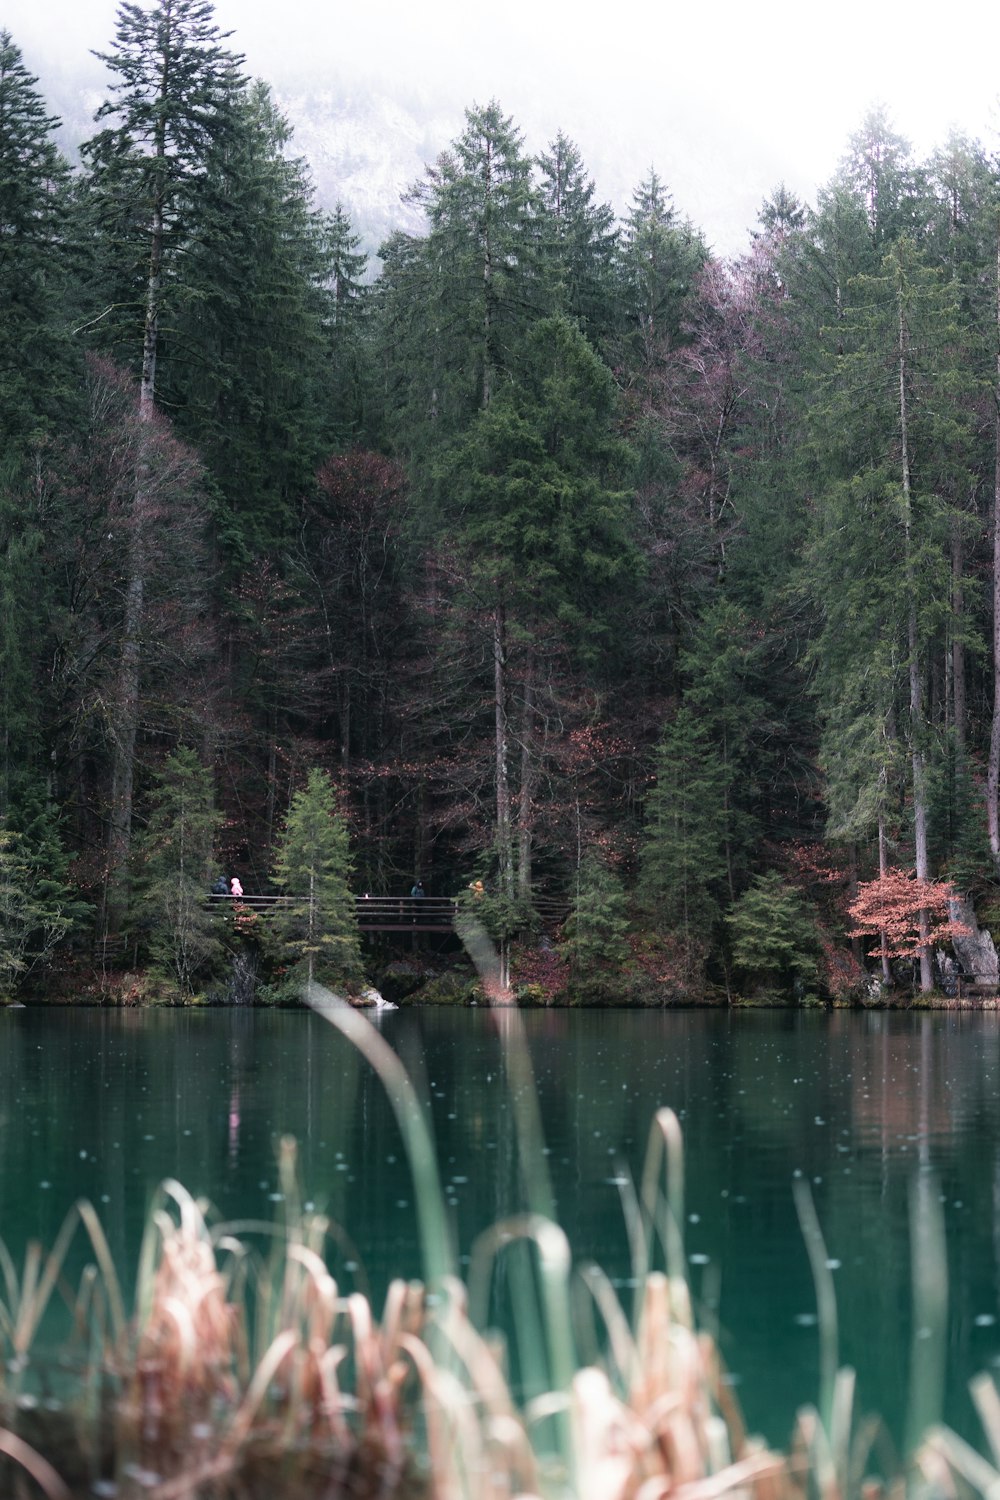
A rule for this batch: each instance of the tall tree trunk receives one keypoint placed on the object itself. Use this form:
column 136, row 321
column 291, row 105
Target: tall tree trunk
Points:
column 130, row 663
column 526, row 791
column 917, row 758
column 502, row 772
column 958, row 685
column 503, row 831
column 993, row 764
column 883, row 870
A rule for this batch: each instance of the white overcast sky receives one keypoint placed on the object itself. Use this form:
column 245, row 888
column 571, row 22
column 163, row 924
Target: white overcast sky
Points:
column 726, row 99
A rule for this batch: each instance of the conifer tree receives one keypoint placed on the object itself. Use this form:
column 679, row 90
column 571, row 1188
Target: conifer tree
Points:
column 248, row 367
column 775, row 941
column 537, row 490
column 39, row 909
column 896, row 427
column 34, row 381
column 593, row 943
column 458, row 302
column 354, row 409
column 318, row 928
column 176, row 863
column 171, row 98
column 660, row 256
column 577, row 240
column 683, row 856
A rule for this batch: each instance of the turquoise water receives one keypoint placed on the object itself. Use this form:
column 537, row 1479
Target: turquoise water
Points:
column 862, row 1106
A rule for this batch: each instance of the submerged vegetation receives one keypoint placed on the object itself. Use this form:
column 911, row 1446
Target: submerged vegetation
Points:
column 651, row 589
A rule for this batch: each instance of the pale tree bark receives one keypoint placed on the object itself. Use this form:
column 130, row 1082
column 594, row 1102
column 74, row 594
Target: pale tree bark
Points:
column 503, row 800
column 883, row 870
column 993, row 764
column 130, row 666
column 917, row 757
column 958, row 684
column 526, row 790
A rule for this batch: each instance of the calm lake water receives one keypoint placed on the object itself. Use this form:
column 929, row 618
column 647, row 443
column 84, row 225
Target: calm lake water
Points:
column 863, row 1106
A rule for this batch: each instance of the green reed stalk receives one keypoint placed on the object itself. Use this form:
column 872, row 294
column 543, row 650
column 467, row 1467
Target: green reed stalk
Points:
column 929, row 1259
column 432, row 1218
column 826, row 1297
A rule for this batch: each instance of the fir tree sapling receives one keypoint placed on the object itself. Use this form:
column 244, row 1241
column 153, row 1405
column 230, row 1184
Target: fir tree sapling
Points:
column 175, row 869
column 318, row 928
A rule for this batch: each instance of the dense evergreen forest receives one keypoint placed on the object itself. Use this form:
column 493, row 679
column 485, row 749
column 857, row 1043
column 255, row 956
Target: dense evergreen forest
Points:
column 558, row 553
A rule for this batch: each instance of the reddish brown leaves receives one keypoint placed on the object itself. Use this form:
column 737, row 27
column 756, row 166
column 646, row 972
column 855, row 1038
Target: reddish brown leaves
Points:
column 889, row 908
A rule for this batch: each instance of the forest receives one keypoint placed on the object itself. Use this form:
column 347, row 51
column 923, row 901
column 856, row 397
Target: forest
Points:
column 552, row 551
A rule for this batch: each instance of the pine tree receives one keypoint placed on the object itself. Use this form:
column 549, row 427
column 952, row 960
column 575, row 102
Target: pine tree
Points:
column 536, row 488
column 355, row 412
column 877, row 169
column 683, row 856
column 594, row 944
column 171, row 100
column 660, row 256
column 896, row 425
column 457, row 303
column 248, row 367
column 318, row 928
column 175, row 859
column 39, row 910
column 775, row 941
column 34, row 364
column 577, row 240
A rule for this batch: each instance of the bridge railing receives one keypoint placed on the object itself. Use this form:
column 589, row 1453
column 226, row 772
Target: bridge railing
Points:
column 434, row 913
column 386, row 913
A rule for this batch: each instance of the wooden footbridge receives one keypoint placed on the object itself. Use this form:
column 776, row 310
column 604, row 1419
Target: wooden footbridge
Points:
column 373, row 913
column 385, row 913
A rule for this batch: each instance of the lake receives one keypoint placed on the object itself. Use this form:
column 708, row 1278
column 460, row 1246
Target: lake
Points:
column 862, row 1105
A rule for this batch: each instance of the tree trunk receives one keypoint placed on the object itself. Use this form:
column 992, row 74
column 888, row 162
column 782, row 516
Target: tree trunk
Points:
column 504, row 853
column 505, row 872
column 958, row 687
column 993, row 764
column 883, row 870
column 918, row 763
column 128, row 685
column 526, row 792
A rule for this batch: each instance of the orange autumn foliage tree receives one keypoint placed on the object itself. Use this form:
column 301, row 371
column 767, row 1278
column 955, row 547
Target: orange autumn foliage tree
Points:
column 889, row 908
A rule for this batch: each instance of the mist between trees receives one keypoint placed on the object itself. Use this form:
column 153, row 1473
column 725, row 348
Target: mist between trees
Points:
column 558, row 554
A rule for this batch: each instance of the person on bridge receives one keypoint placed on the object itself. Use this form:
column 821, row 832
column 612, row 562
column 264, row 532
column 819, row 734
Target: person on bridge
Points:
column 221, row 887
column 235, row 888
column 417, row 889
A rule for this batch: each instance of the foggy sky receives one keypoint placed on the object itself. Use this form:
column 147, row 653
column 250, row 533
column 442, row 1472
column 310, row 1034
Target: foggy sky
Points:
column 725, row 100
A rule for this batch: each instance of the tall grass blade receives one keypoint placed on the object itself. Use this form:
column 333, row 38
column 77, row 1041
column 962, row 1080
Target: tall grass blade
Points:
column 930, row 1308
column 987, row 1404
column 435, row 1235
column 34, row 1464
column 826, row 1297
column 112, row 1286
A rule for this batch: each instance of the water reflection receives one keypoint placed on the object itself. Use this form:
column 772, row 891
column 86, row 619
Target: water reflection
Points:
column 858, row 1105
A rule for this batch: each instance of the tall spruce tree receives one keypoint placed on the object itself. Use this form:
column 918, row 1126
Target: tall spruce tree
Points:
column 577, row 240
column 171, row 97
column 540, row 507
column 176, row 862
column 683, row 855
column 34, row 380
column 318, row 928
column 248, row 367
column 660, row 256
column 894, row 425
column 466, row 293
